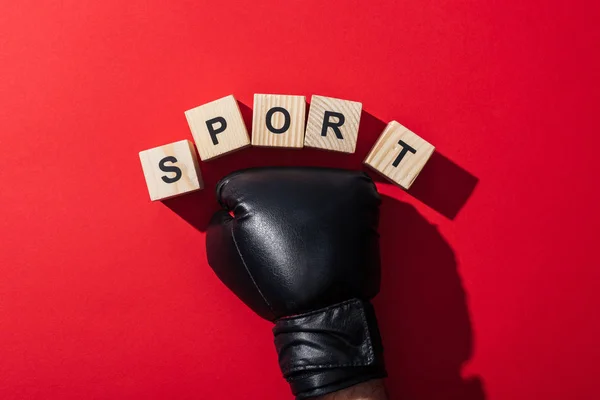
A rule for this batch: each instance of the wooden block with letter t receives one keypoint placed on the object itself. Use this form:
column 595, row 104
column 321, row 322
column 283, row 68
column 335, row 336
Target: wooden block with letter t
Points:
column 399, row 154
column 171, row 170
column 218, row 128
column 278, row 120
column 333, row 124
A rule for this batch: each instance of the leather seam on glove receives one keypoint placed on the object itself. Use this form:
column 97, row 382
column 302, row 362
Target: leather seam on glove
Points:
column 318, row 311
column 248, row 271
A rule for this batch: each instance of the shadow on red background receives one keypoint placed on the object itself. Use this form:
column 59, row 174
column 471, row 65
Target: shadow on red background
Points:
column 422, row 308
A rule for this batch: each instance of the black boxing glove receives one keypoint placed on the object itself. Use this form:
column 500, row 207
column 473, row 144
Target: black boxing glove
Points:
column 302, row 250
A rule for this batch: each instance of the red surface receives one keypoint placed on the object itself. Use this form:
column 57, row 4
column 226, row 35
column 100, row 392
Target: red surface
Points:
column 105, row 295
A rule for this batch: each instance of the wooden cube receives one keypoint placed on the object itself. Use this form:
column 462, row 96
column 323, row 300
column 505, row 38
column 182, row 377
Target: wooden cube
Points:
column 171, row 170
column 278, row 120
column 218, row 128
column 399, row 155
column 333, row 124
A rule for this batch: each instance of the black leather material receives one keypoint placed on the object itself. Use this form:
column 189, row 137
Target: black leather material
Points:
column 302, row 249
column 329, row 349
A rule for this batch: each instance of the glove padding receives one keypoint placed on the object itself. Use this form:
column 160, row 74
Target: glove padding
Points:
column 302, row 250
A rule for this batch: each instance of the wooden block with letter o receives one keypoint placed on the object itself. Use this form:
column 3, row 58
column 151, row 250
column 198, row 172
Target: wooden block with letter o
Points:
column 171, row 170
column 278, row 120
column 218, row 128
column 333, row 124
column 399, row 154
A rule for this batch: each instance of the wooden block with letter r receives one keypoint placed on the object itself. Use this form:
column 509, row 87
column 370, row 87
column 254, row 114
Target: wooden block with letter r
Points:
column 171, row 170
column 278, row 120
column 399, row 155
column 218, row 128
column 333, row 124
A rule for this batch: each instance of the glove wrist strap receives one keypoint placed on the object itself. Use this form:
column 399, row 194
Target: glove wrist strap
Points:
column 329, row 349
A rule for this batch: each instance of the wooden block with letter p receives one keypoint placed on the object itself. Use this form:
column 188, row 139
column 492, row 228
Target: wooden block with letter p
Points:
column 218, row 128
column 399, row 155
column 171, row 170
column 278, row 120
column 333, row 124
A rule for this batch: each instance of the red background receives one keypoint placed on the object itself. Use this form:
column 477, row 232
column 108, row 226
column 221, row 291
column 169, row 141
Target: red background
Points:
column 105, row 295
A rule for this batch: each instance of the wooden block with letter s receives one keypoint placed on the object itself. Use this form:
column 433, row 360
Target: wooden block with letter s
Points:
column 333, row 124
column 171, row 170
column 278, row 120
column 399, row 155
column 218, row 128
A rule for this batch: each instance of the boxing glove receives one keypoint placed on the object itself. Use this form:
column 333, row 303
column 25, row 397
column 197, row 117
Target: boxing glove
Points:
column 300, row 247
